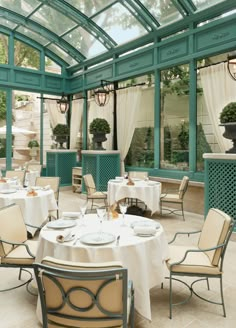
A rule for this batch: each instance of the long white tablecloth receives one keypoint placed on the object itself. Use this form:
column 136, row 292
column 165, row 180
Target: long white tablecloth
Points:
column 143, row 256
column 34, row 208
column 147, row 191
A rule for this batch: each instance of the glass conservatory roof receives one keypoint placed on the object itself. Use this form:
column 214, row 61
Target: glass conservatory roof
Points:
column 80, row 30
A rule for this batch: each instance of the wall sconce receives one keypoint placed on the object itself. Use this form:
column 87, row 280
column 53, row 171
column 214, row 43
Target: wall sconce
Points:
column 231, row 64
column 63, row 104
column 102, row 95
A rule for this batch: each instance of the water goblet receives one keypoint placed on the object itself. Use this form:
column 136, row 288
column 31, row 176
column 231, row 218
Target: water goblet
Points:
column 83, row 208
column 123, row 210
column 101, row 211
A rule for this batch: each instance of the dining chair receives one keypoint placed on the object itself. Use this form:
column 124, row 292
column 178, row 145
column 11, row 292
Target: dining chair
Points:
column 205, row 260
column 92, row 193
column 16, row 251
column 54, row 183
column 34, row 167
column 138, row 174
column 19, row 175
column 74, row 294
column 175, row 197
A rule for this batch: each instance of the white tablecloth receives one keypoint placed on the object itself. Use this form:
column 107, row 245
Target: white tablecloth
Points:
column 34, row 209
column 143, row 256
column 147, row 191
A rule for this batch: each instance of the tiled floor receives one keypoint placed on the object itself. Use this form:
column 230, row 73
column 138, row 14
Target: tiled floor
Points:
column 18, row 306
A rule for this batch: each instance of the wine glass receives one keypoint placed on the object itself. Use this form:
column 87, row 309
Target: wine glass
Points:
column 101, row 211
column 123, row 210
column 83, row 208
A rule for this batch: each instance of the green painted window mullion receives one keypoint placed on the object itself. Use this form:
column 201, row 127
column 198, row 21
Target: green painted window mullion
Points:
column 157, row 111
column 41, row 128
column 9, row 128
column 85, row 120
column 192, row 116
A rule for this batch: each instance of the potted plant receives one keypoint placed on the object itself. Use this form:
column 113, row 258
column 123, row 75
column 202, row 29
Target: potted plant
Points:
column 228, row 120
column 61, row 133
column 99, row 127
column 34, row 146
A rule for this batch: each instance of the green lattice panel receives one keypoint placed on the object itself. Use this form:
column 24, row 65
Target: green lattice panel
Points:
column 103, row 167
column 61, row 164
column 221, row 186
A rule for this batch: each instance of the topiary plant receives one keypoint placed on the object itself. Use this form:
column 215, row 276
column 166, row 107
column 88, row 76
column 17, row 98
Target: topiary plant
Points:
column 33, row 143
column 228, row 114
column 99, row 125
column 61, row 130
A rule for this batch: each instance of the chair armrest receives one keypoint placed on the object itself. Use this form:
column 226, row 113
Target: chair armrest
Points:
column 196, row 251
column 18, row 244
column 183, row 233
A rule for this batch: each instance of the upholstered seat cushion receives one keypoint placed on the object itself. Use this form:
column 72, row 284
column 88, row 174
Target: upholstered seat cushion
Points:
column 19, row 255
column 195, row 262
column 171, row 198
column 98, row 194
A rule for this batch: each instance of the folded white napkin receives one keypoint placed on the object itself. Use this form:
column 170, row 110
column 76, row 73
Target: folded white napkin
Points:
column 71, row 214
column 47, row 187
column 64, row 236
column 138, row 230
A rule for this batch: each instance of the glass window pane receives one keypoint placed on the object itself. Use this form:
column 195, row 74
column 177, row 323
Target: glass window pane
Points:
column 120, row 24
column 23, row 7
column 7, row 23
column 202, row 4
column 62, row 54
column 174, row 132
column 3, row 49
column 26, row 115
column 26, row 56
column 35, row 36
column 89, row 7
column 85, row 42
column 164, row 11
column 51, row 66
column 53, row 20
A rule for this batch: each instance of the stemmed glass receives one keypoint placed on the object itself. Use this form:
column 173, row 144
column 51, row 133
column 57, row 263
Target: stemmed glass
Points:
column 83, row 208
column 101, row 211
column 123, row 210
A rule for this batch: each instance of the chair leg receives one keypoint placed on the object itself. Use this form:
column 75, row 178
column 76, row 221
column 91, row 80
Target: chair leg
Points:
column 170, row 296
column 222, row 296
column 182, row 208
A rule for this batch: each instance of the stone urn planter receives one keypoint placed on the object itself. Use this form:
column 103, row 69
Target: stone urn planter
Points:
column 228, row 120
column 61, row 133
column 34, row 147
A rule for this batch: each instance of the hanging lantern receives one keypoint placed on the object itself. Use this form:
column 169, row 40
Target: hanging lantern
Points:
column 231, row 64
column 63, row 104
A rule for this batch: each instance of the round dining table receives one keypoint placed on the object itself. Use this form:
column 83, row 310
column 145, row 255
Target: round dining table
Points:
column 35, row 209
column 148, row 192
column 144, row 256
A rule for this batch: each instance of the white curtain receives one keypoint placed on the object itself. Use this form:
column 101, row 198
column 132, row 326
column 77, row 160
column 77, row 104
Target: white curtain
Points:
column 105, row 112
column 75, row 122
column 128, row 103
column 54, row 116
column 219, row 89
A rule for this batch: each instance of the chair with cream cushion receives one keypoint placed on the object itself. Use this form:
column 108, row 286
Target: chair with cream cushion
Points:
column 15, row 250
column 92, row 193
column 34, row 167
column 54, row 183
column 176, row 198
column 19, row 175
column 138, row 175
column 204, row 260
column 74, row 294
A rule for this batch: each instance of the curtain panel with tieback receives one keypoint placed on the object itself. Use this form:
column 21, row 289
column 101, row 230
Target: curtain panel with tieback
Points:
column 76, row 121
column 219, row 90
column 128, row 102
column 54, row 116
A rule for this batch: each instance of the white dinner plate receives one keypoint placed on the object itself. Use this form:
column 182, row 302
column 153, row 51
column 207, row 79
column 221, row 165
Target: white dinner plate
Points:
column 8, row 191
column 97, row 238
column 61, row 224
column 145, row 223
